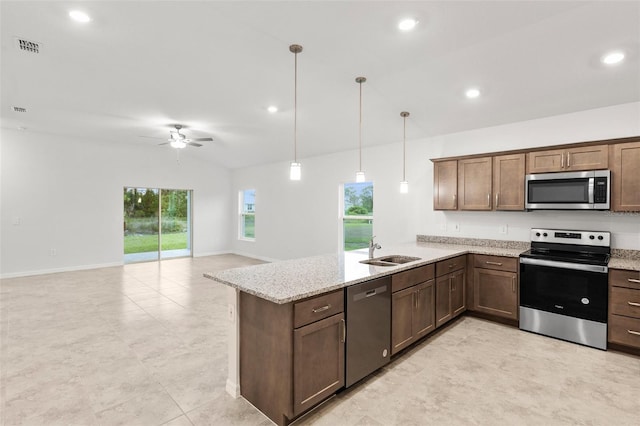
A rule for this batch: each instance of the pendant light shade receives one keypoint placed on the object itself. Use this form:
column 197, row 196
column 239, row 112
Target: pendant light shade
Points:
column 295, row 171
column 404, row 185
column 360, row 173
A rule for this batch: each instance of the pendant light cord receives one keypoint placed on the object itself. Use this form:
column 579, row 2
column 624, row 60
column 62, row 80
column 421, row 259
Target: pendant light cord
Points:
column 404, row 148
column 295, row 108
column 360, row 132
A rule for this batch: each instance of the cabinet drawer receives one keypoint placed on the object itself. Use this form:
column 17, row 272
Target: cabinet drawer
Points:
column 624, row 278
column 414, row 276
column 499, row 263
column 624, row 331
column 445, row 266
column 317, row 308
column 625, row 301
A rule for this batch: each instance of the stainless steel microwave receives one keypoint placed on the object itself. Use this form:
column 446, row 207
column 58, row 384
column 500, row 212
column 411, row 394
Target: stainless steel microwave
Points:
column 589, row 190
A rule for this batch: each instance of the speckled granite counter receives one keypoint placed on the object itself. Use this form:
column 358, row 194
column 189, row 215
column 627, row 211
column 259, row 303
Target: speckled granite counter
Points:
column 290, row 280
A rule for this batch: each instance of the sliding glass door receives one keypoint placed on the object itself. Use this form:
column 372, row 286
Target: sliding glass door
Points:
column 157, row 224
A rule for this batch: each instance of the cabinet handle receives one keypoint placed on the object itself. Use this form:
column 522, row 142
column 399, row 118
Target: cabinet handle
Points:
column 417, row 294
column 632, row 280
column 637, row 333
column 562, row 161
column 324, row 308
column 452, row 265
column 568, row 160
column 497, row 198
column 488, row 198
column 633, row 304
column 493, row 263
column 513, row 284
column 344, row 331
column 455, row 201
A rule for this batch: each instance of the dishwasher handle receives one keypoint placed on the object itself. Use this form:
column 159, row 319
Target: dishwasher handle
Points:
column 369, row 293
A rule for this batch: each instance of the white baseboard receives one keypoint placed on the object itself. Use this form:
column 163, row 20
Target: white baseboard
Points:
column 57, row 270
column 233, row 389
column 253, row 256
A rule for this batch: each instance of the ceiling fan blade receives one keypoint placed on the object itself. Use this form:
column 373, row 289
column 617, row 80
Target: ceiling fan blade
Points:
column 194, row 144
column 201, row 139
column 164, row 143
column 150, row 137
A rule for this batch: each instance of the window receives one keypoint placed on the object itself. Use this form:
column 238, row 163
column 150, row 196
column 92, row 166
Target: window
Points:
column 247, row 220
column 357, row 215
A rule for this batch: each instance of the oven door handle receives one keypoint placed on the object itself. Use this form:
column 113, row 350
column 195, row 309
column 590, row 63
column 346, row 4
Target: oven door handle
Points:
column 565, row 265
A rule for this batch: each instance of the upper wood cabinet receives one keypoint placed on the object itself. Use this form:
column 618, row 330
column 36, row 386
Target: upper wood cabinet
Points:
column 625, row 177
column 474, row 183
column 591, row 157
column 445, row 185
column 508, row 182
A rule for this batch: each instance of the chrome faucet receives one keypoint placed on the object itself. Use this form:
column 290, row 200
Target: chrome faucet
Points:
column 372, row 247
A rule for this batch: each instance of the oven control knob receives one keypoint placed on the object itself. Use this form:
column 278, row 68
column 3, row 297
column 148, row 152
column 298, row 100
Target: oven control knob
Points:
column 591, row 237
column 537, row 234
column 600, row 237
column 544, row 235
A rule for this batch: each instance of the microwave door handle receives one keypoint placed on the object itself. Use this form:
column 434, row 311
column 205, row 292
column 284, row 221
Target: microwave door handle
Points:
column 591, row 189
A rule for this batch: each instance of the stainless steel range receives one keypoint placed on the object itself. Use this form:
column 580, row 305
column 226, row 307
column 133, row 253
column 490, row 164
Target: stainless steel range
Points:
column 564, row 285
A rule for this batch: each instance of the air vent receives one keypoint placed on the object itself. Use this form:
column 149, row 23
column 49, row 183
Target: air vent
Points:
column 28, row 46
column 18, row 109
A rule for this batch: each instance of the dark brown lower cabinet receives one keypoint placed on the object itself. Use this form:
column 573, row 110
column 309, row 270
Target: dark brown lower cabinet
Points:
column 291, row 355
column 495, row 292
column 318, row 366
column 412, row 314
column 450, row 296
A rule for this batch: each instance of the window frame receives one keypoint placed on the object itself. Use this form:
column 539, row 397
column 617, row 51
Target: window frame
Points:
column 342, row 216
column 242, row 214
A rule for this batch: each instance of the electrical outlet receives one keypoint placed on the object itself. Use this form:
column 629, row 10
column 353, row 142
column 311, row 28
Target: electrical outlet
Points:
column 455, row 227
column 503, row 229
column 53, row 252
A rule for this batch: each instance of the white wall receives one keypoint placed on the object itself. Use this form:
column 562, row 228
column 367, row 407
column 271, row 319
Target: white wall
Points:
column 67, row 195
column 295, row 219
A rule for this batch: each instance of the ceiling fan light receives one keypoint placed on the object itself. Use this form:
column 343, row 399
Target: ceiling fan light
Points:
column 177, row 144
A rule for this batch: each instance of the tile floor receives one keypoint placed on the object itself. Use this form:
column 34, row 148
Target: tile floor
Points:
column 145, row 344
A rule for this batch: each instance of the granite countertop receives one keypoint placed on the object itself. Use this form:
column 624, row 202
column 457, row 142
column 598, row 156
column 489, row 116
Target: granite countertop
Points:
column 290, row 280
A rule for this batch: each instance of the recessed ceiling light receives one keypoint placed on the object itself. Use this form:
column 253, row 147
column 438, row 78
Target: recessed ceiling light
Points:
column 272, row 109
column 407, row 24
column 472, row 93
column 79, row 16
column 613, row 58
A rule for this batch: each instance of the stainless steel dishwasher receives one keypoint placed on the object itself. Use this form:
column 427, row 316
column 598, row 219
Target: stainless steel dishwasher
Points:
column 368, row 315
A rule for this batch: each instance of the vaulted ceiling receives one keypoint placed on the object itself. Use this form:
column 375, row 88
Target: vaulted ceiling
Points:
column 215, row 66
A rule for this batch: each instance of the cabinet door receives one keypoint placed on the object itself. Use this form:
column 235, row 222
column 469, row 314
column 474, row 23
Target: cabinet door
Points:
column 495, row 292
column 318, row 361
column 402, row 305
column 587, row 158
column 625, row 177
column 474, row 183
column 424, row 320
column 508, row 182
column 443, row 299
column 458, row 304
column 445, row 185
column 545, row 161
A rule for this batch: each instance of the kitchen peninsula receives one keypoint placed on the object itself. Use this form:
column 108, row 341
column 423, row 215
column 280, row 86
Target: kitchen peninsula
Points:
column 269, row 306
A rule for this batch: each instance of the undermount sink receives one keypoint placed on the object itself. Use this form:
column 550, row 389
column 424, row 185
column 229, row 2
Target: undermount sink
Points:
column 392, row 260
column 398, row 259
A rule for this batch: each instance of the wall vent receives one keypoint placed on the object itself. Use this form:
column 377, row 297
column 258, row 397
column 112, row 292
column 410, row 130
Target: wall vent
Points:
column 28, row 46
column 18, row 109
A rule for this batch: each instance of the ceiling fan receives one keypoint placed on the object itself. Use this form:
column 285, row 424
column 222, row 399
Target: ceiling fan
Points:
column 179, row 140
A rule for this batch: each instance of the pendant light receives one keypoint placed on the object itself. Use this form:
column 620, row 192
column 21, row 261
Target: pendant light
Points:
column 295, row 172
column 360, row 173
column 404, row 185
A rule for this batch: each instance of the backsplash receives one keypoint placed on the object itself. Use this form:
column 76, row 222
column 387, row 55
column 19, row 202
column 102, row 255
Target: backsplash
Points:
column 516, row 245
